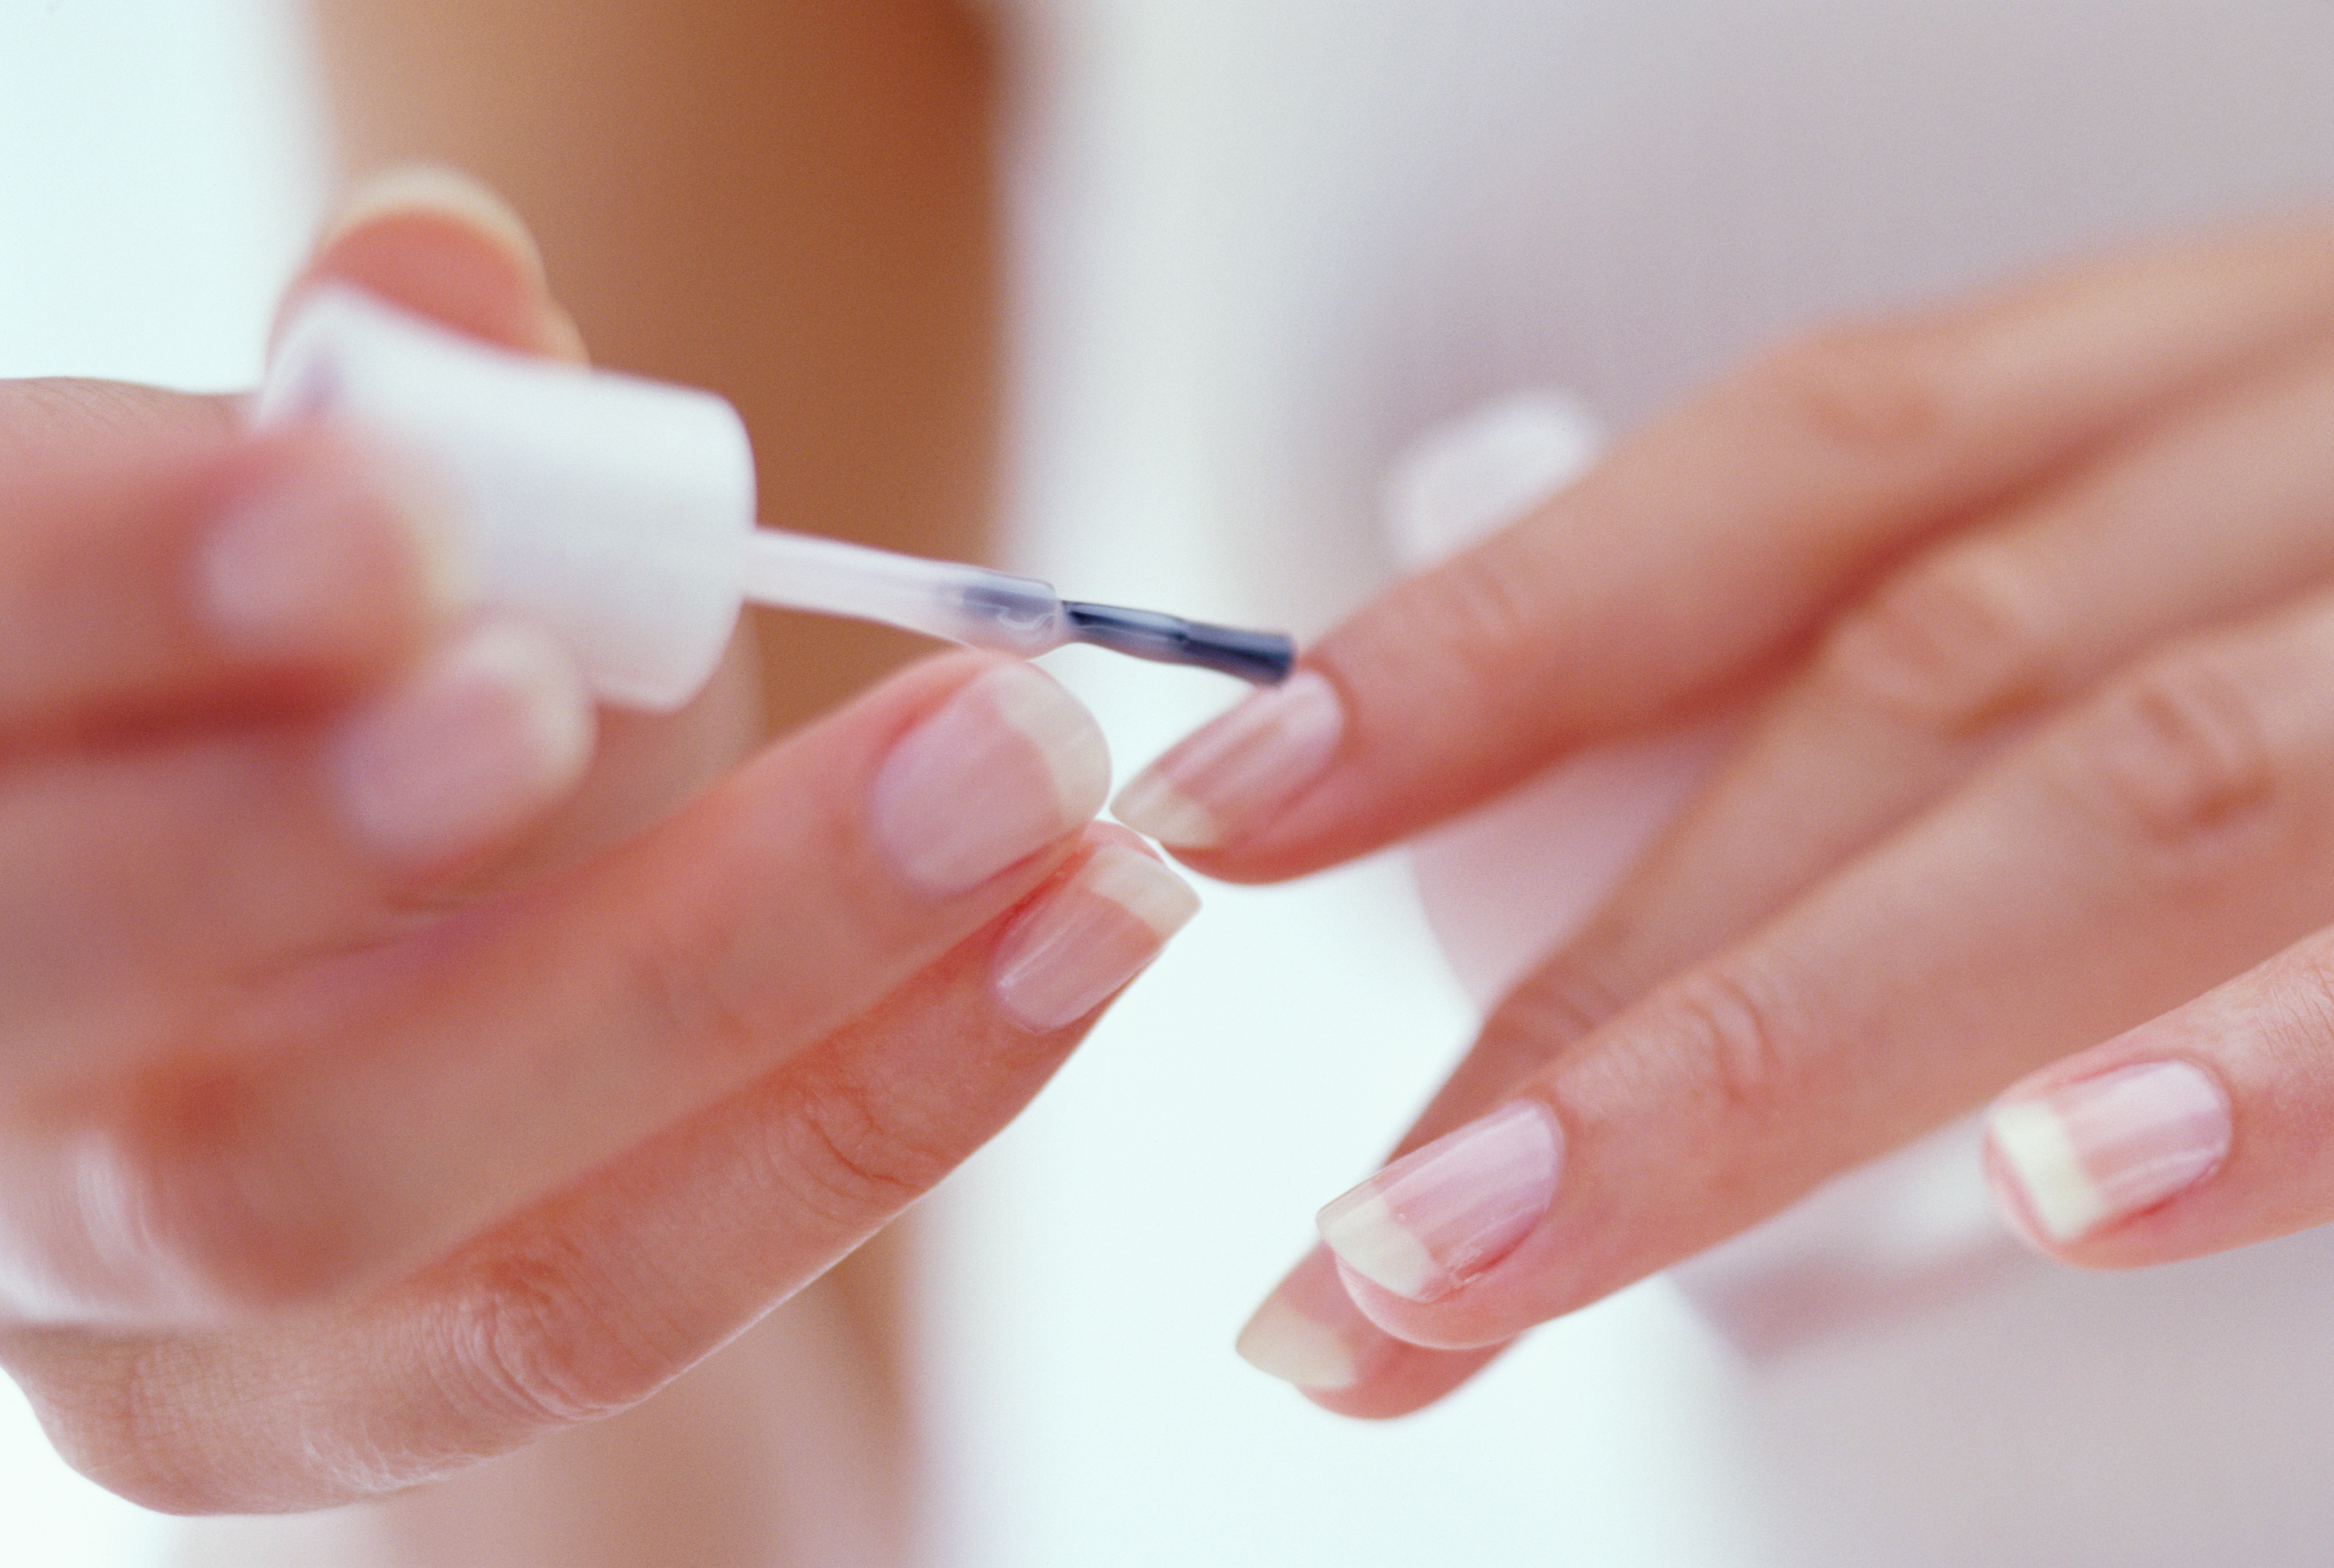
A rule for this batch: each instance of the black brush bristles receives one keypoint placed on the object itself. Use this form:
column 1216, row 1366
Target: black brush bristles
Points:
column 1264, row 658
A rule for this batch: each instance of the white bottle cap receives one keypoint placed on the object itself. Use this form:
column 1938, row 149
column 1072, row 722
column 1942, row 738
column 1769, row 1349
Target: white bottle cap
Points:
column 611, row 511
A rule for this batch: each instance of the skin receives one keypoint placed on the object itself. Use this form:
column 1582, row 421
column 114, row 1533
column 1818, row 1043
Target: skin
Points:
column 2032, row 595
column 743, row 1039
column 2070, row 761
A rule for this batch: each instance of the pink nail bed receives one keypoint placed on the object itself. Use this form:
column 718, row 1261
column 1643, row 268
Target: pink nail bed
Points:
column 1089, row 937
column 2090, row 1153
column 1230, row 775
column 1006, row 766
column 1442, row 1215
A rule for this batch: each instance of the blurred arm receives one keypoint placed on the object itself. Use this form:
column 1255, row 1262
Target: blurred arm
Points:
column 785, row 200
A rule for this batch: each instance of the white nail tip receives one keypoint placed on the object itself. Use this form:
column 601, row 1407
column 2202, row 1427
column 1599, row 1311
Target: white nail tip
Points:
column 1090, row 937
column 1152, row 805
column 1441, row 1215
column 1142, row 887
column 1370, row 1238
column 1226, row 778
column 2039, row 1156
column 434, row 188
column 2100, row 1149
column 1283, row 1342
column 497, row 729
column 1064, row 733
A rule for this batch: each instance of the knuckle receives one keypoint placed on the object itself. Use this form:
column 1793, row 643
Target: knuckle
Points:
column 525, row 1349
column 1738, row 1034
column 1951, row 644
column 845, row 1154
column 1865, row 388
column 2176, row 759
column 1563, row 1000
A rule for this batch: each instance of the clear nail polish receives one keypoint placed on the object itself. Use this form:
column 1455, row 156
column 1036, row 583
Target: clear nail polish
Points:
column 495, row 729
column 331, row 539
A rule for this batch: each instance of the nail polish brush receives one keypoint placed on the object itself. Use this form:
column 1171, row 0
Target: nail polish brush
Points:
column 618, row 513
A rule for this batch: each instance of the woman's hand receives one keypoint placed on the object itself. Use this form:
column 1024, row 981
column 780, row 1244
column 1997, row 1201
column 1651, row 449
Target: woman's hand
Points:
column 388, row 1075
column 2036, row 599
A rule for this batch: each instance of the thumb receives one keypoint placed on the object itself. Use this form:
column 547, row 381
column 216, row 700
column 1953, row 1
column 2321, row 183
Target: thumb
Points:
column 442, row 242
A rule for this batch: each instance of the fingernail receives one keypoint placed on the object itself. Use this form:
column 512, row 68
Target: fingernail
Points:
column 1228, row 777
column 1089, row 937
column 1009, row 767
column 327, row 544
column 434, row 188
column 1440, row 1215
column 2090, row 1153
column 1309, row 1332
column 489, row 733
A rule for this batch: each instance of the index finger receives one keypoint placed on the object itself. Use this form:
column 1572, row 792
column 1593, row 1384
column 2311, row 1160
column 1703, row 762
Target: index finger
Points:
column 369, row 1109
column 148, row 557
column 1707, row 546
column 2144, row 846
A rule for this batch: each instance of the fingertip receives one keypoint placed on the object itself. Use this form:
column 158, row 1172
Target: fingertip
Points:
column 476, row 744
column 413, row 189
column 321, row 552
column 1310, row 1334
column 2072, row 1160
column 440, row 242
column 1229, row 780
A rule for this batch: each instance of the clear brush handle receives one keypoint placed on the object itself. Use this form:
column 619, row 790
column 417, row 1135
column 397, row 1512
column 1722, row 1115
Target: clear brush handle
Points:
column 618, row 513
column 968, row 604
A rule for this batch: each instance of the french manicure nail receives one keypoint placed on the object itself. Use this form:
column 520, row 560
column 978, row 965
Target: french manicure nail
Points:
column 1011, row 763
column 491, row 731
column 1225, row 779
column 1089, row 937
column 2090, row 1153
column 1442, row 1215
column 328, row 540
column 1309, row 1332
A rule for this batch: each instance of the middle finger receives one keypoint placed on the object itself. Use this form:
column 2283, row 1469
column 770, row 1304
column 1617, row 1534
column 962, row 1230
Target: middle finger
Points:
column 2166, row 834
